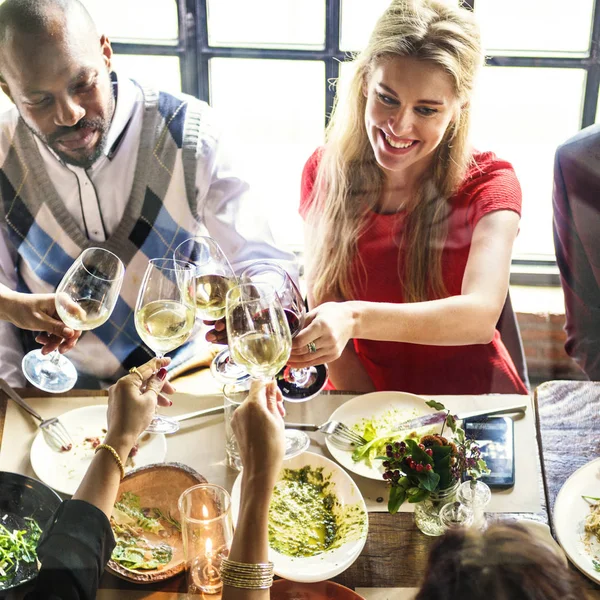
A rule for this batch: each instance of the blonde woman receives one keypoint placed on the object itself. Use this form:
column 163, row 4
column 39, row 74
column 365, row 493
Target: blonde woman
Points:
column 409, row 231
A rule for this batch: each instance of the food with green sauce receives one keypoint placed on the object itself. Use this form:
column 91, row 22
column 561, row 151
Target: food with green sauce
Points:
column 18, row 543
column 306, row 517
column 139, row 534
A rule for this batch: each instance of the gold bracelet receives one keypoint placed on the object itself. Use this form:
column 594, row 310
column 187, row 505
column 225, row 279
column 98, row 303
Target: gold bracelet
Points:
column 115, row 456
column 257, row 576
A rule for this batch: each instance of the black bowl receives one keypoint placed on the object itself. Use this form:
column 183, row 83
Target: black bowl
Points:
column 22, row 497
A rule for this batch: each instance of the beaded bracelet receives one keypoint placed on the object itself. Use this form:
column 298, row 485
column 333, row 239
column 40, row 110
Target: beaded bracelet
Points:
column 115, row 456
column 257, row 576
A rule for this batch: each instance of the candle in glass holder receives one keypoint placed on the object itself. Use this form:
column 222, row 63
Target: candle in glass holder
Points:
column 207, row 531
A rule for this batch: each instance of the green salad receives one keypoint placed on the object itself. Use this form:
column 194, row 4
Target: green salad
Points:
column 17, row 546
column 381, row 431
column 131, row 524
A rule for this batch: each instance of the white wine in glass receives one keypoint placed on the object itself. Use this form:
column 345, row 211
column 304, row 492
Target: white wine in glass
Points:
column 165, row 314
column 258, row 332
column 214, row 275
column 260, row 341
column 84, row 300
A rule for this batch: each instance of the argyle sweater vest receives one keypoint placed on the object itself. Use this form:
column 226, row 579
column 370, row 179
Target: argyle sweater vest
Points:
column 157, row 218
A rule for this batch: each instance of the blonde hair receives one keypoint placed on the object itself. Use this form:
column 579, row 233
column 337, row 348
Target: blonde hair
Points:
column 349, row 180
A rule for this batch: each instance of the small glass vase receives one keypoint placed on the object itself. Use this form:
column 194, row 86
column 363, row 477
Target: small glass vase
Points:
column 427, row 512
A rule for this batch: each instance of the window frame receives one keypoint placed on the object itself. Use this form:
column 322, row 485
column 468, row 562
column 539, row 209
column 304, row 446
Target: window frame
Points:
column 195, row 52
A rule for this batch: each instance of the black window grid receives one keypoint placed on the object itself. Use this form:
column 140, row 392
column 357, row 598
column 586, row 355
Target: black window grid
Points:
column 195, row 52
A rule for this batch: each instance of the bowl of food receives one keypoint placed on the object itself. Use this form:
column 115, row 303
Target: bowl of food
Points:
column 26, row 506
column 147, row 525
column 318, row 520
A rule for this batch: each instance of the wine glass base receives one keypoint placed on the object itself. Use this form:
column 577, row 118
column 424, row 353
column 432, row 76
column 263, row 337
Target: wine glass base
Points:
column 224, row 370
column 46, row 374
column 307, row 388
column 161, row 424
column 296, row 442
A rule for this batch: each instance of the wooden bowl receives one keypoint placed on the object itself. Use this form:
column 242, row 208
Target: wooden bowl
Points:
column 159, row 486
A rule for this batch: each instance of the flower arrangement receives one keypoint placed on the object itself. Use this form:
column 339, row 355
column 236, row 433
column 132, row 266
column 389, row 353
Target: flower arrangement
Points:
column 417, row 468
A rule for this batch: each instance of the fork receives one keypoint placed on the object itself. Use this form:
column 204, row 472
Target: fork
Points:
column 53, row 430
column 338, row 431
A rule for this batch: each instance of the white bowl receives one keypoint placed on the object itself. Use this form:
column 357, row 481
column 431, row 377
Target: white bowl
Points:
column 327, row 564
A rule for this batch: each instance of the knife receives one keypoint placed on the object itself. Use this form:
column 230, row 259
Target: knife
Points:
column 199, row 413
column 440, row 416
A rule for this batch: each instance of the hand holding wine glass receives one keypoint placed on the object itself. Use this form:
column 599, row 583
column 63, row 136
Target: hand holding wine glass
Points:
column 259, row 335
column 296, row 384
column 164, row 315
column 84, row 300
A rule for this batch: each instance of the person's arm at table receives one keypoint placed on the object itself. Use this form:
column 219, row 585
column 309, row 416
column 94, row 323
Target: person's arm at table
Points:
column 467, row 318
column 259, row 431
column 78, row 542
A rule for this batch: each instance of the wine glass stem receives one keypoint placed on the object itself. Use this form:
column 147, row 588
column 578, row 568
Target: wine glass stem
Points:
column 159, row 355
column 54, row 357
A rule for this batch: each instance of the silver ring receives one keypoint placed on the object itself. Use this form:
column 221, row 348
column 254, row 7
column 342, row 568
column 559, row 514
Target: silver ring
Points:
column 312, row 347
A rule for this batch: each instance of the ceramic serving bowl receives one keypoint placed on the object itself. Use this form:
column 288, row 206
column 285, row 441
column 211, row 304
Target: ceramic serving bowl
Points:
column 159, row 486
column 330, row 563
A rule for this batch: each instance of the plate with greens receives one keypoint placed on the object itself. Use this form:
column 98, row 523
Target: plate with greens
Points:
column 318, row 520
column 375, row 417
column 26, row 506
column 577, row 519
column 147, row 525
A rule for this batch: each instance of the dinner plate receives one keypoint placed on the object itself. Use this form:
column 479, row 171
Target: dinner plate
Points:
column 64, row 471
column 570, row 511
column 327, row 564
column 372, row 406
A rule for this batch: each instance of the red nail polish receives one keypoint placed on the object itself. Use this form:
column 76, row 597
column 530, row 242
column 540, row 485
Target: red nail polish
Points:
column 170, row 402
column 162, row 373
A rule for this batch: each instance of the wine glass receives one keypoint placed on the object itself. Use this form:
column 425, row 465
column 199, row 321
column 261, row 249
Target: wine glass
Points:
column 296, row 385
column 214, row 278
column 85, row 298
column 260, row 340
column 164, row 315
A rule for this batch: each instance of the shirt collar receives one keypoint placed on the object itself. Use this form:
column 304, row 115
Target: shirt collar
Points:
column 125, row 93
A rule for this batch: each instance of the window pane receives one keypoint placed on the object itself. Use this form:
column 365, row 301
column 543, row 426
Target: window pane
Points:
column 154, row 21
column 358, row 19
column 525, row 128
column 275, row 127
column 535, row 25
column 161, row 72
column 267, row 23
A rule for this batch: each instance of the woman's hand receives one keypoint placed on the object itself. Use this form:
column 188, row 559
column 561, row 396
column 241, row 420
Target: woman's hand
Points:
column 259, row 432
column 327, row 328
column 132, row 401
column 37, row 312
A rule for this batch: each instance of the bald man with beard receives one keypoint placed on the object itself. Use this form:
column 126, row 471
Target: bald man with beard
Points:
column 88, row 158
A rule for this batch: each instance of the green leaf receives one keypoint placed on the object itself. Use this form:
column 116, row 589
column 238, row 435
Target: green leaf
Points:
column 435, row 405
column 418, row 454
column 370, row 433
column 460, row 435
column 591, row 498
column 596, row 565
column 419, row 497
column 396, row 499
column 429, row 480
column 451, row 422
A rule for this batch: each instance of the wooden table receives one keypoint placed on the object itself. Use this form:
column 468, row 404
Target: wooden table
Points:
column 567, row 411
column 394, row 555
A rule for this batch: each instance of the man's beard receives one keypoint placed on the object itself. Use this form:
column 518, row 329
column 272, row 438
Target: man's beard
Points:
column 100, row 124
